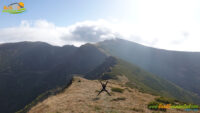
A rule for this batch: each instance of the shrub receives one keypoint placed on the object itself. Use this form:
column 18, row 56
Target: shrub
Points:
column 118, row 99
column 119, row 90
column 97, row 108
column 165, row 100
column 137, row 110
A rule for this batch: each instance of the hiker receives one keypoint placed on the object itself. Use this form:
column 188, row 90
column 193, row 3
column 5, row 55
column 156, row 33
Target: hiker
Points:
column 104, row 88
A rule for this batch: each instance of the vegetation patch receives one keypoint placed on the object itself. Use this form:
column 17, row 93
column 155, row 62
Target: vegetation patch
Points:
column 156, row 112
column 146, row 82
column 97, row 108
column 96, row 91
column 128, row 90
column 119, row 90
column 165, row 100
column 137, row 110
column 108, row 76
column 119, row 99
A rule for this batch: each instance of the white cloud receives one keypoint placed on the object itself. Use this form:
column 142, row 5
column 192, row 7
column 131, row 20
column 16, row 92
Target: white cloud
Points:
column 89, row 31
column 42, row 30
column 166, row 24
column 186, row 39
column 39, row 30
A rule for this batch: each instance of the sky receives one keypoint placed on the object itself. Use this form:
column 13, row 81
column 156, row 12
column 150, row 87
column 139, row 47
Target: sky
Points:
column 165, row 24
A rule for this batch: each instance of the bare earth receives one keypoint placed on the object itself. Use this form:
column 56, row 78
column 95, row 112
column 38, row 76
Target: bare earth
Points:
column 81, row 97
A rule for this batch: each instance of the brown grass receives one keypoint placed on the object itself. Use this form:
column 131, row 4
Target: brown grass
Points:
column 81, row 97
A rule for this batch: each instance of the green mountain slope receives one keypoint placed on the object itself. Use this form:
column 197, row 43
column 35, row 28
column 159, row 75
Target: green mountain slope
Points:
column 181, row 68
column 28, row 69
column 145, row 81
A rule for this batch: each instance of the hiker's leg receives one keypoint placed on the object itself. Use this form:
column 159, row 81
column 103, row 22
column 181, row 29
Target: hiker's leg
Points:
column 107, row 92
column 100, row 92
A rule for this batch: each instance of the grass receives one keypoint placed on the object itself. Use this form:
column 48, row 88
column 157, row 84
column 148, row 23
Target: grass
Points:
column 95, row 99
column 165, row 100
column 119, row 99
column 97, row 108
column 119, row 90
column 156, row 112
column 111, row 111
column 96, row 91
column 128, row 90
column 137, row 110
column 148, row 83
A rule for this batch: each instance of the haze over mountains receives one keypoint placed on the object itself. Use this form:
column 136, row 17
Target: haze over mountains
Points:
column 181, row 68
column 28, row 69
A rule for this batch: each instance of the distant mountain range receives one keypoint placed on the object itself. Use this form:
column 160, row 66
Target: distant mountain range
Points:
column 181, row 68
column 28, row 69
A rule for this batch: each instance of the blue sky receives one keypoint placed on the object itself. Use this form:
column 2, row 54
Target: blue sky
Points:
column 66, row 12
column 165, row 24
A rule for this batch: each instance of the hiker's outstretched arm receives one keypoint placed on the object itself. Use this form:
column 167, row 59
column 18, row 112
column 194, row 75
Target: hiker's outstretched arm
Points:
column 106, row 82
column 101, row 82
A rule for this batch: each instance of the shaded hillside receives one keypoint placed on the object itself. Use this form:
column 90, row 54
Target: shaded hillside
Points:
column 150, row 83
column 28, row 69
column 81, row 97
column 100, row 71
column 181, row 68
column 142, row 80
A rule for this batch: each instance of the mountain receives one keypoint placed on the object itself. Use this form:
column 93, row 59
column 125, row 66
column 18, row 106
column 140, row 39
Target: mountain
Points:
column 81, row 97
column 138, row 78
column 32, row 71
column 181, row 68
column 28, row 69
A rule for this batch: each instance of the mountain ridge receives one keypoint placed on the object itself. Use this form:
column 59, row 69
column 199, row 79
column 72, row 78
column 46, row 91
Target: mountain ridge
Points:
column 29, row 69
column 181, row 68
column 81, row 96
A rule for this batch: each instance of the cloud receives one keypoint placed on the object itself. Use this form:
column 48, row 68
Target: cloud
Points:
column 184, row 39
column 42, row 30
column 89, row 32
column 39, row 30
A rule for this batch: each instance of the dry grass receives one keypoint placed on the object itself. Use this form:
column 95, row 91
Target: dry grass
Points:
column 81, row 97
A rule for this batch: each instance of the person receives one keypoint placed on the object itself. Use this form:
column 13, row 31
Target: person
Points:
column 104, row 88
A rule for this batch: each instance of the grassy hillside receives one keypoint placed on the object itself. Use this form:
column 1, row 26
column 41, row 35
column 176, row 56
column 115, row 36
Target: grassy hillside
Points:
column 29, row 69
column 181, row 68
column 150, row 83
column 81, row 97
column 126, row 76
